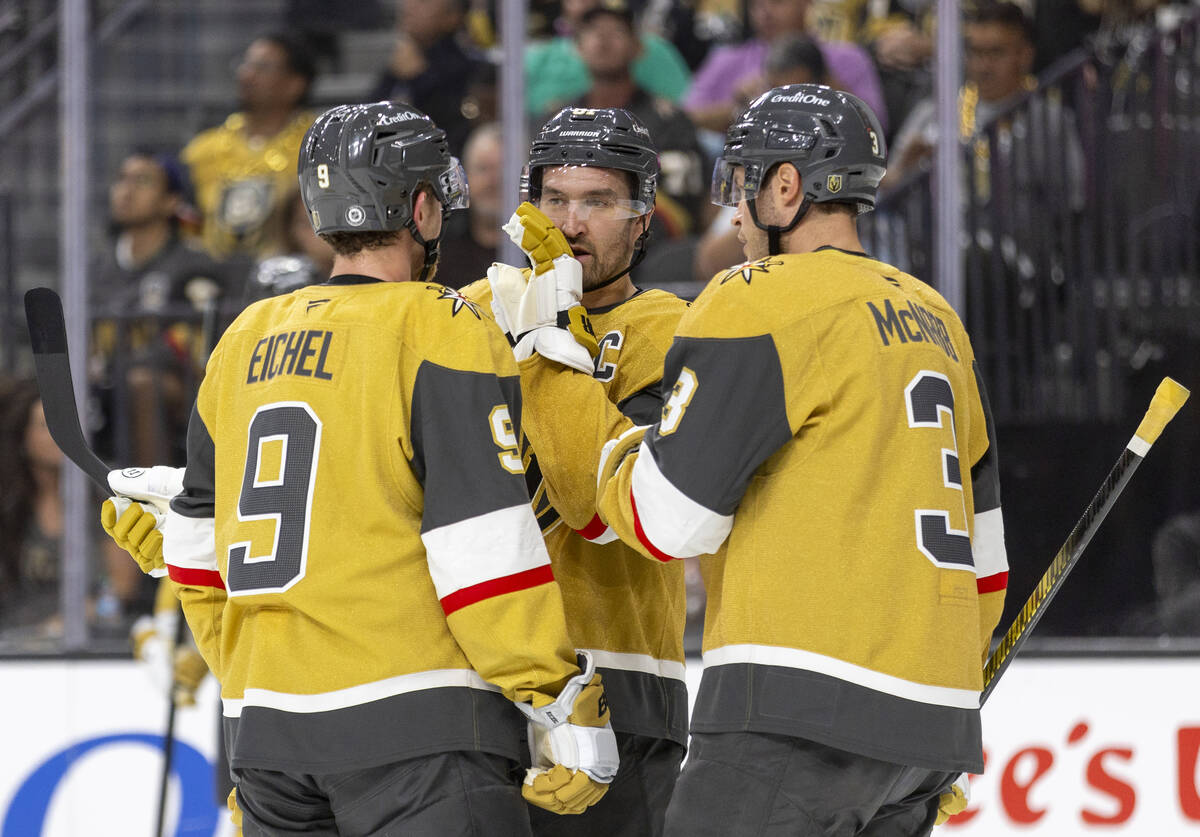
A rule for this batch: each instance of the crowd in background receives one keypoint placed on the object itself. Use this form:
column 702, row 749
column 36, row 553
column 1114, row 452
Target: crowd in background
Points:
column 202, row 229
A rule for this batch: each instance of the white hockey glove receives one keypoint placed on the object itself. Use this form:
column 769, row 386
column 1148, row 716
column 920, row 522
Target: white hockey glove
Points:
column 955, row 800
column 573, row 746
column 135, row 516
column 548, row 299
column 178, row 670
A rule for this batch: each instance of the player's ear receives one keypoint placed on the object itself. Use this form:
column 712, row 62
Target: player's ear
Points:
column 427, row 213
column 790, row 185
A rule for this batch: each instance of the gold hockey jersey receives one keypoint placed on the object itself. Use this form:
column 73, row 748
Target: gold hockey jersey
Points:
column 354, row 547
column 241, row 187
column 626, row 611
column 828, row 433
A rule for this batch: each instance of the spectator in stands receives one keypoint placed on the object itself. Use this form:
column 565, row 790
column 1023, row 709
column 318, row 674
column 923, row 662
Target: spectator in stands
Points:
column 149, row 295
column 557, row 75
column 609, row 46
column 1176, row 555
column 470, row 239
column 733, row 74
column 999, row 60
column 244, row 169
column 432, row 64
column 304, row 258
column 31, row 518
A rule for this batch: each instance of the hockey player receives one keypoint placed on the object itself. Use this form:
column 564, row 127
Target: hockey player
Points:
column 594, row 173
column 827, row 429
column 354, row 547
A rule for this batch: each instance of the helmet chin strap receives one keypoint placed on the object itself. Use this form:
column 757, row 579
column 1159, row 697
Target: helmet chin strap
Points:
column 431, row 250
column 639, row 253
column 774, row 232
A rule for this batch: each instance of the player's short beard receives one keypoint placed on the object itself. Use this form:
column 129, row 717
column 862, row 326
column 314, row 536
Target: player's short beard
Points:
column 605, row 262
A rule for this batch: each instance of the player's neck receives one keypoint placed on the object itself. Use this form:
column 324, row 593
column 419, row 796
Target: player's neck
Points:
column 390, row 264
column 618, row 291
column 816, row 231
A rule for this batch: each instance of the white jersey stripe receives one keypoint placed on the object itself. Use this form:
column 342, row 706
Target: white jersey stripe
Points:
column 675, row 523
column 189, row 542
column 987, row 544
column 492, row 545
column 357, row 695
column 773, row 655
column 643, row 663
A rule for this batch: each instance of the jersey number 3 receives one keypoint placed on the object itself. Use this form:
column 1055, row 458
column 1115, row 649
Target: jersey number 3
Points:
column 929, row 400
column 283, row 442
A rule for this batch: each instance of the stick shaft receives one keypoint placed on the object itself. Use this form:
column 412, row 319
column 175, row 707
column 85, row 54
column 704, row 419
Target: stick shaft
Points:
column 1035, row 606
column 48, row 337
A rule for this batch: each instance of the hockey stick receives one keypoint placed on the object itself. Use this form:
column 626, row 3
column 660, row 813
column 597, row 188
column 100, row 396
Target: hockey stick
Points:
column 48, row 338
column 1167, row 400
column 169, row 736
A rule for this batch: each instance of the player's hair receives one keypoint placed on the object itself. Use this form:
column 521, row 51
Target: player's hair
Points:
column 1004, row 13
column 353, row 243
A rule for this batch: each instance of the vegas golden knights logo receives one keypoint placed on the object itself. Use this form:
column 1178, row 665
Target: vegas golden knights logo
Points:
column 834, row 183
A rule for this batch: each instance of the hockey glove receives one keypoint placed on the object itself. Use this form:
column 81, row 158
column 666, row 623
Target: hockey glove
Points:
column 179, row 670
column 955, row 800
column 551, row 295
column 133, row 518
column 573, row 746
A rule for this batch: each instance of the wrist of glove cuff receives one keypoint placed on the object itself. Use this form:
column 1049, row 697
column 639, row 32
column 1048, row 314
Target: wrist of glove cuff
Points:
column 555, row 344
column 574, row 731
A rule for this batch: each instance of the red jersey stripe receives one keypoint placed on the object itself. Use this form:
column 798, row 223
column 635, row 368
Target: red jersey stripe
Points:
column 992, row 583
column 195, row 578
column 594, row 529
column 497, row 587
column 641, row 534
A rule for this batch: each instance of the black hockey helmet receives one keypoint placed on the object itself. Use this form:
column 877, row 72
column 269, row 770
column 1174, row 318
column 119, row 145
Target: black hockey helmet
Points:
column 361, row 166
column 608, row 138
column 832, row 138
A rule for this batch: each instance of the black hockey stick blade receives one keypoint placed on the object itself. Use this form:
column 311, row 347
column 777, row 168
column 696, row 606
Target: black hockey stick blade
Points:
column 1167, row 400
column 48, row 338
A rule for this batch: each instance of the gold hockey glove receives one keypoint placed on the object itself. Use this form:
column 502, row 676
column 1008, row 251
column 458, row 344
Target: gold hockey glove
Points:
column 189, row 672
column 955, row 800
column 556, row 282
column 573, row 746
column 135, row 516
column 178, row 670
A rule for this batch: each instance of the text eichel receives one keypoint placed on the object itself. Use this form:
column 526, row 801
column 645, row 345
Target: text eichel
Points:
column 303, row 353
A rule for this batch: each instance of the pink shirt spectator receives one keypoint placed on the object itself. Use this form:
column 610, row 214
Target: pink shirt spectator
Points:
column 726, row 67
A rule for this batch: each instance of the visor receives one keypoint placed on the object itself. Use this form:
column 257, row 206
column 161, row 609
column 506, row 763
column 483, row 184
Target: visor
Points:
column 599, row 206
column 594, row 208
column 726, row 190
column 453, row 191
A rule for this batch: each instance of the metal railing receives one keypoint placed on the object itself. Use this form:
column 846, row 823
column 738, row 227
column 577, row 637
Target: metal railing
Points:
column 1080, row 228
